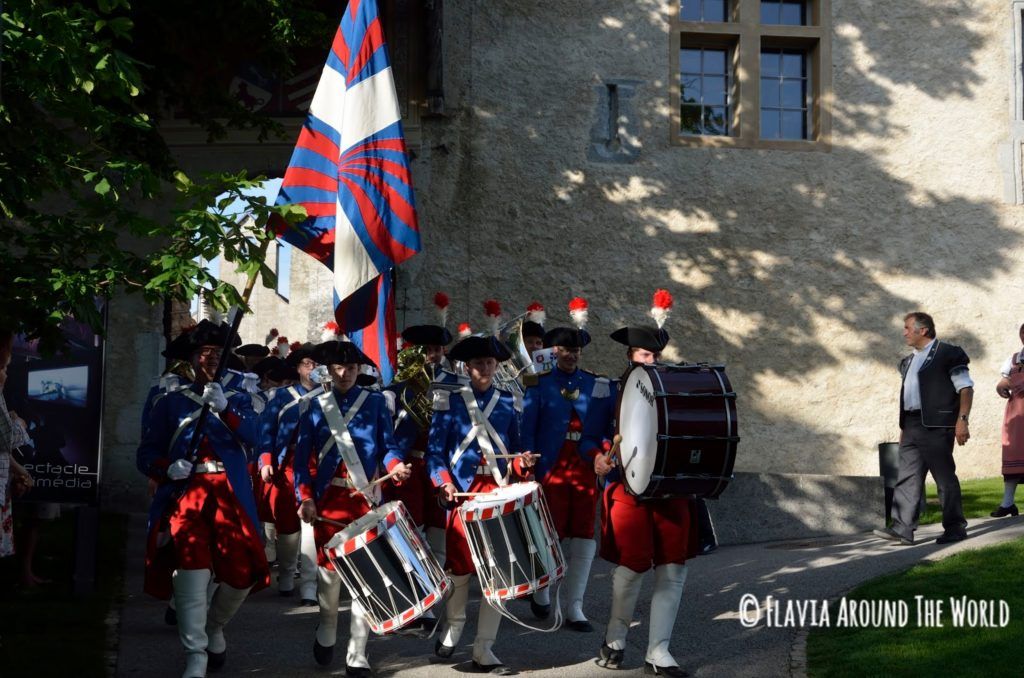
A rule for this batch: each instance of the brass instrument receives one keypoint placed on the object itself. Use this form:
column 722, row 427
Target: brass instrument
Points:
column 416, row 399
column 510, row 371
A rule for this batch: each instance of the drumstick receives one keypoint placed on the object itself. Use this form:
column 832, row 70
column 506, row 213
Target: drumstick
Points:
column 468, row 494
column 513, row 456
column 614, row 451
column 332, row 522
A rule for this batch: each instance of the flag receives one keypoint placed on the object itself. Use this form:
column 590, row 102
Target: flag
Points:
column 350, row 170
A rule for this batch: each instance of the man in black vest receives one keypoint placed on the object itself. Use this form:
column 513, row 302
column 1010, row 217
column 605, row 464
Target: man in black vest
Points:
column 935, row 404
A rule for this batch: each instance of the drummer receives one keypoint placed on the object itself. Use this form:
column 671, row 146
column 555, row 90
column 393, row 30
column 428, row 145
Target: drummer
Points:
column 461, row 458
column 636, row 535
column 328, row 471
column 554, row 408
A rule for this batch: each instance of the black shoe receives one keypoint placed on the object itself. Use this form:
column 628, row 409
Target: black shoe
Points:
column 286, row 594
column 609, row 658
column 358, row 672
column 308, row 602
column 893, row 535
column 706, row 549
column 443, row 651
column 671, row 671
column 322, row 655
column 540, row 611
column 493, row 669
column 1003, row 511
column 215, row 660
column 583, row 626
column 170, row 616
column 947, row 538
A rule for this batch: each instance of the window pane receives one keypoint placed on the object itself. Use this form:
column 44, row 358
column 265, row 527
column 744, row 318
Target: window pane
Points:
column 770, row 92
column 714, row 10
column 793, row 13
column 689, row 61
column 770, row 62
column 689, row 119
column 689, row 90
column 714, row 61
column 793, row 64
column 793, row 94
column 769, row 124
column 715, row 120
column 714, row 91
column 769, row 11
column 794, row 125
column 689, row 10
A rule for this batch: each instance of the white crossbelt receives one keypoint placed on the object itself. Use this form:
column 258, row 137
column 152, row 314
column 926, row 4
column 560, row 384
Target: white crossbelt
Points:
column 357, row 477
column 483, row 432
column 573, row 435
column 209, row 467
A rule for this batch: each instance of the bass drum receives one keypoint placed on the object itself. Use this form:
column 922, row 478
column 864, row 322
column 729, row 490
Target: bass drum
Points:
column 679, row 430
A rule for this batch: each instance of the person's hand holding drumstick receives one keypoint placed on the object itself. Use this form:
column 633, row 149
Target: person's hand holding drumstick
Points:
column 604, row 463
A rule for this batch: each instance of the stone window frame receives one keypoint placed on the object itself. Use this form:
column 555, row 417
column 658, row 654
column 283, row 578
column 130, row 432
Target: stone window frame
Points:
column 744, row 35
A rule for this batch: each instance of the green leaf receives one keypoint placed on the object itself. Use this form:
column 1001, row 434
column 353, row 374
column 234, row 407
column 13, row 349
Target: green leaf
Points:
column 102, row 186
column 88, row 86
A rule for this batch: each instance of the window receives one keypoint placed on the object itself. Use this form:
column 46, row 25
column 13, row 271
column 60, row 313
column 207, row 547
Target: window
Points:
column 702, row 10
column 783, row 94
column 784, row 12
column 751, row 74
column 705, row 77
column 284, row 269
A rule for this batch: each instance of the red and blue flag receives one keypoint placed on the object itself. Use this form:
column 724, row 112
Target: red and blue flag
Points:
column 350, row 170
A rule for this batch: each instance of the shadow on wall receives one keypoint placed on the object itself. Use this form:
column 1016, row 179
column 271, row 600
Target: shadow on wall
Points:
column 780, row 262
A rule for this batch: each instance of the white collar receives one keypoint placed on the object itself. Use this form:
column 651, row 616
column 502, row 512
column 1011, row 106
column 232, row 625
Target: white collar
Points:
column 927, row 347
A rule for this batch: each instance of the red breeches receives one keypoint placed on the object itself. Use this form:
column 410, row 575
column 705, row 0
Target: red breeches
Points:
column 339, row 504
column 459, row 558
column 638, row 534
column 571, row 490
column 418, row 495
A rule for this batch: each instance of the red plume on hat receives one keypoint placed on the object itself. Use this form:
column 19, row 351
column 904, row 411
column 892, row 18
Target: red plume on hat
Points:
column 441, row 303
column 661, row 306
column 465, row 330
column 492, row 311
column 535, row 313
column 271, row 335
column 330, row 331
column 579, row 311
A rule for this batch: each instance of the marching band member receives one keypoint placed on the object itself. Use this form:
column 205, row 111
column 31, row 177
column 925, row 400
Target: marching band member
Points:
column 637, row 535
column 212, row 523
column 418, row 494
column 533, row 328
column 278, row 426
column 470, row 425
column 554, row 408
column 251, row 354
column 343, row 439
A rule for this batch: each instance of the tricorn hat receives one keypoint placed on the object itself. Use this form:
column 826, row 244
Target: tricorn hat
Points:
column 642, row 336
column 297, row 355
column 206, row 333
column 427, row 335
column 339, row 353
column 252, row 351
column 569, row 337
column 532, row 329
column 479, row 347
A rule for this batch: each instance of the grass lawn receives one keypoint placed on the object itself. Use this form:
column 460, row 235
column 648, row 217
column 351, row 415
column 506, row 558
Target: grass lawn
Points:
column 47, row 631
column 980, row 497
column 991, row 573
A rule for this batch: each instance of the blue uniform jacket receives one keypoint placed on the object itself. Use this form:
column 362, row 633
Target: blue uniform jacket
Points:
column 546, row 412
column 278, row 423
column 450, row 426
column 406, row 430
column 371, row 434
column 231, row 446
column 599, row 428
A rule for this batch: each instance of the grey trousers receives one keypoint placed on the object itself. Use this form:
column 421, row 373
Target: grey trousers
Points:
column 923, row 450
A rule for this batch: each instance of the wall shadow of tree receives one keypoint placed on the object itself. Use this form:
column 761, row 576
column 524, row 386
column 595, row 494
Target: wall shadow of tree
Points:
column 791, row 253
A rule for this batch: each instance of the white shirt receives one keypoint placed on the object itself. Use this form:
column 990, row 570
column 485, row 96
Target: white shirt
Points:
column 960, row 378
column 1008, row 365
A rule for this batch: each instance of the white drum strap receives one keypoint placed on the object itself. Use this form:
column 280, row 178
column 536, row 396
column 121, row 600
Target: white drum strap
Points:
column 482, row 432
column 338, row 423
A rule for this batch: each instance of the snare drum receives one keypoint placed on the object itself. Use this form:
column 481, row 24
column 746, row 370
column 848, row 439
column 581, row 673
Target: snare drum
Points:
column 387, row 568
column 679, row 430
column 513, row 542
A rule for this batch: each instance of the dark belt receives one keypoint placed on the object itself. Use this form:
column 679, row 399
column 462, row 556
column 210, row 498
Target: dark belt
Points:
column 911, row 411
